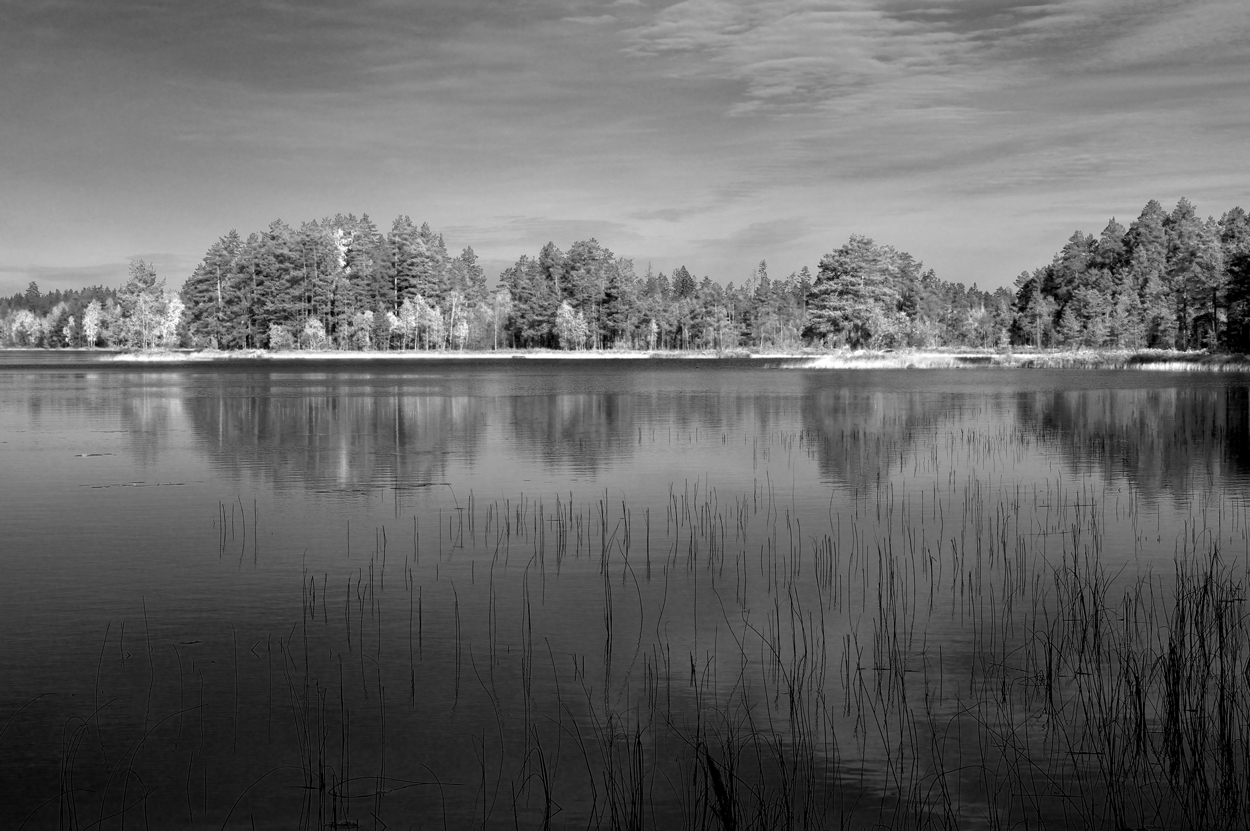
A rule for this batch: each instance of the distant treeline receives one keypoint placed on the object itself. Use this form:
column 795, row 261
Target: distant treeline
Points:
column 1169, row 280
column 52, row 319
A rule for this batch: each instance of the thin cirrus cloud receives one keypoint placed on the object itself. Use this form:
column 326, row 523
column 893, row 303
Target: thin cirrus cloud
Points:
column 975, row 134
column 897, row 102
column 524, row 230
column 865, row 57
column 758, row 236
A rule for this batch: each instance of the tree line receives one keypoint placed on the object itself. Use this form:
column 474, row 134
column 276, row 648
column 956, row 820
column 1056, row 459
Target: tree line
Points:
column 143, row 314
column 1168, row 280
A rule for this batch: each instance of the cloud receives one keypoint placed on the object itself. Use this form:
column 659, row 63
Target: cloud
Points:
column 647, row 125
column 792, row 56
column 761, row 236
column 671, row 214
column 1189, row 32
column 535, row 231
column 276, row 46
column 967, row 96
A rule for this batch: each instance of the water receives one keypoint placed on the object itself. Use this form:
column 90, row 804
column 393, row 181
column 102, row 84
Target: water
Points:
column 669, row 593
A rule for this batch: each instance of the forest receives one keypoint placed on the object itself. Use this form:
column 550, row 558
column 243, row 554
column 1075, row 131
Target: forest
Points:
column 1168, row 280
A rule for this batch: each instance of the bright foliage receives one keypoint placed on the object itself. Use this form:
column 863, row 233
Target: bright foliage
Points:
column 1168, row 280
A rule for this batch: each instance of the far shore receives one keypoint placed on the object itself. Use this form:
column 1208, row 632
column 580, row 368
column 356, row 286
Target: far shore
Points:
column 1153, row 359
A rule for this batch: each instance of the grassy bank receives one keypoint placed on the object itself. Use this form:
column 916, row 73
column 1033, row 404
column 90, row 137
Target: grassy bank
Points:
column 1157, row 359
column 1153, row 359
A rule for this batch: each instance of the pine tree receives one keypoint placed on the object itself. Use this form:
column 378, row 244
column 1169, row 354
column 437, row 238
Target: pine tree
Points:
column 1068, row 270
column 534, row 298
column 319, row 273
column 467, row 277
column 1205, row 283
column 855, row 297
column 683, row 284
column 417, row 263
column 206, row 293
column 1183, row 229
column 432, row 266
column 588, row 268
column 620, row 304
column 1235, row 242
column 277, row 293
column 241, row 328
column 1111, row 252
column 363, row 283
column 1147, row 246
column 403, row 264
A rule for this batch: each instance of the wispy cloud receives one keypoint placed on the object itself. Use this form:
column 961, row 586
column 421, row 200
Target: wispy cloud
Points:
column 878, row 88
column 1189, row 32
column 761, row 236
column 797, row 53
column 934, row 125
column 530, row 233
column 675, row 214
column 591, row 20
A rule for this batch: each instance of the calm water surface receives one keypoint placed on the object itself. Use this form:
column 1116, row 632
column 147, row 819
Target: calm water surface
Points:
column 639, row 594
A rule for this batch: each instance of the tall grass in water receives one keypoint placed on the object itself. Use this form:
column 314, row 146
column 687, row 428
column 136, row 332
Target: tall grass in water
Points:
column 1146, row 693
column 959, row 647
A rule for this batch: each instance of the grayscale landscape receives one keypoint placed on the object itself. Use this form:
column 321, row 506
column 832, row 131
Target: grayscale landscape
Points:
column 825, row 414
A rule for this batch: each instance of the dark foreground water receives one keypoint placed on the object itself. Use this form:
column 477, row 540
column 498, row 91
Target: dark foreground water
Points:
column 622, row 594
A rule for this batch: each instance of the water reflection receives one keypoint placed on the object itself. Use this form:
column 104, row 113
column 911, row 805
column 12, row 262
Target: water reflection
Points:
column 856, row 437
column 583, row 432
column 336, row 436
column 332, row 431
column 148, row 418
column 1162, row 441
column 752, row 593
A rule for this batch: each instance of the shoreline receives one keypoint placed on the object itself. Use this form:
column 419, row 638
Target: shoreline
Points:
column 1141, row 359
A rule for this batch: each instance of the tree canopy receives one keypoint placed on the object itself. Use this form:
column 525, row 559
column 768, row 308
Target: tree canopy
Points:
column 1170, row 279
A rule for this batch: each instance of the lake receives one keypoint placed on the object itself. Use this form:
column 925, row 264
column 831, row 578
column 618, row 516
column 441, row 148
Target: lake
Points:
column 637, row 593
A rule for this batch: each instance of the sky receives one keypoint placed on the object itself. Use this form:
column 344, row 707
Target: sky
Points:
column 975, row 134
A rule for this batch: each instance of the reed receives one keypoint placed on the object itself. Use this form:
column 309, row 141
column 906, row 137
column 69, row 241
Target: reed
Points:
column 960, row 647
